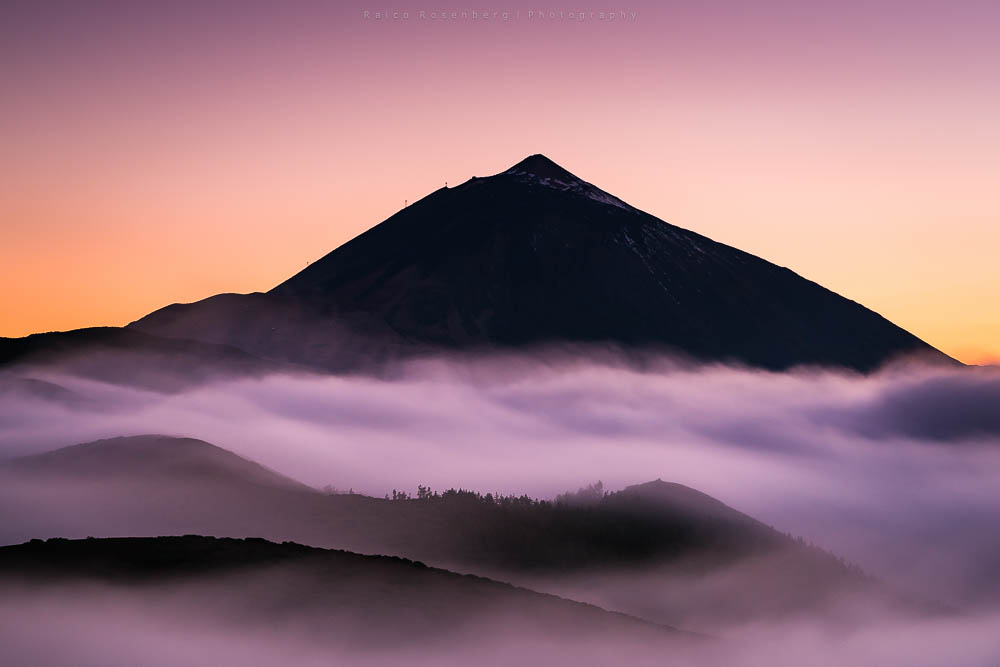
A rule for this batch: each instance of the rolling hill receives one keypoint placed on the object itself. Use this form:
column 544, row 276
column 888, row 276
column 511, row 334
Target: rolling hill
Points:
column 666, row 534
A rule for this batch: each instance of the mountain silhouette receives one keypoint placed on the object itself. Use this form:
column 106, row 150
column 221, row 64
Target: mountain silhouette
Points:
column 156, row 484
column 123, row 356
column 705, row 560
column 536, row 256
column 339, row 595
column 150, row 458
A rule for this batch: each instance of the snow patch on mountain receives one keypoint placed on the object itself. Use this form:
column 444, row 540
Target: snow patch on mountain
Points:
column 572, row 185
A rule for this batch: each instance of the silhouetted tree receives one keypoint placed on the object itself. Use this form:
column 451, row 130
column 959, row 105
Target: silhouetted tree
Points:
column 588, row 495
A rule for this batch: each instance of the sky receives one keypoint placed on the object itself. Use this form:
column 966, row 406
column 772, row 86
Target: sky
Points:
column 163, row 152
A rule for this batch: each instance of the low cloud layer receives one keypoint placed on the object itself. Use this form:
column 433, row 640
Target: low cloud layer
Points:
column 107, row 627
column 896, row 471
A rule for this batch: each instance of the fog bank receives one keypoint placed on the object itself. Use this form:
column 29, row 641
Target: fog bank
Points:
column 897, row 471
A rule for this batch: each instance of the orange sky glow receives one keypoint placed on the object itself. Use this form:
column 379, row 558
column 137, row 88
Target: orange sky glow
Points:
column 153, row 156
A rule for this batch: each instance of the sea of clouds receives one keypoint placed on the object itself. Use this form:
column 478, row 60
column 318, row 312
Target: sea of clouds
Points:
column 898, row 471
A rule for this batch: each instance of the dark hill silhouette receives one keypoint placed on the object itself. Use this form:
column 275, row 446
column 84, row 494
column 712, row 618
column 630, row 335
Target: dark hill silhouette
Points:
column 13, row 386
column 535, row 255
column 150, row 457
column 149, row 485
column 341, row 595
column 283, row 329
column 159, row 484
column 676, row 498
column 154, row 485
column 127, row 356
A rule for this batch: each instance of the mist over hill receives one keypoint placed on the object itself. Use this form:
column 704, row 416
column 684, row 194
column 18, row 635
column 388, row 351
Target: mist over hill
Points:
column 864, row 466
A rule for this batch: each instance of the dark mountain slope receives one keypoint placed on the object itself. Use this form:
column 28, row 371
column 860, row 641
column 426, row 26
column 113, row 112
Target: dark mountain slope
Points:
column 147, row 458
column 151, row 484
column 148, row 485
column 535, row 255
column 657, row 532
column 344, row 596
column 281, row 328
column 128, row 356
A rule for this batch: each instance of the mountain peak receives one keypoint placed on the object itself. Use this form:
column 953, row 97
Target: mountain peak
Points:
column 542, row 167
column 679, row 498
column 539, row 170
column 536, row 256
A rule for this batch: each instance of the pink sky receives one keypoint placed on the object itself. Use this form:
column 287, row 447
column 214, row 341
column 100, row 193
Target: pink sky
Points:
column 167, row 152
